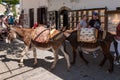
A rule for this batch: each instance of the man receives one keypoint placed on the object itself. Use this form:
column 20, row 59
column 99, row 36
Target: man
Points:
column 95, row 23
column 11, row 20
column 83, row 22
column 21, row 18
column 117, row 43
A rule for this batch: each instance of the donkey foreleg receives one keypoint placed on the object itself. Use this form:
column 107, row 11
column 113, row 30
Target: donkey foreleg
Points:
column 35, row 56
column 81, row 56
column 103, row 61
column 111, row 60
column 55, row 51
column 74, row 56
column 66, row 57
column 22, row 55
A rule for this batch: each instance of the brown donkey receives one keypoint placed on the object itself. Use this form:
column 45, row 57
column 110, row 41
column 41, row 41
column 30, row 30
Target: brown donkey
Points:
column 104, row 44
column 53, row 44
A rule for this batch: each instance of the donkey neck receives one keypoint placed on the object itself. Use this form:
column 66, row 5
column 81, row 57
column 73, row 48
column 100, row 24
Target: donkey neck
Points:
column 19, row 32
column 22, row 32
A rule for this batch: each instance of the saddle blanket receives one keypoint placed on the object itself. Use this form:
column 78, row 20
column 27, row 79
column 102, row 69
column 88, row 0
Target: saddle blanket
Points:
column 88, row 35
column 55, row 34
column 41, row 34
column 113, row 49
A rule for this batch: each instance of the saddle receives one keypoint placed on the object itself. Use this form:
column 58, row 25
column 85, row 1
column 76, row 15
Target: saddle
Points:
column 55, row 34
column 41, row 34
column 88, row 35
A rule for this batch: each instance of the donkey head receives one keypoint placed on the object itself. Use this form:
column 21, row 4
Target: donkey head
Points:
column 11, row 35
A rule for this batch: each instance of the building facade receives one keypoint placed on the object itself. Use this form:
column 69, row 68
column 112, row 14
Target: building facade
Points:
column 32, row 8
column 83, row 4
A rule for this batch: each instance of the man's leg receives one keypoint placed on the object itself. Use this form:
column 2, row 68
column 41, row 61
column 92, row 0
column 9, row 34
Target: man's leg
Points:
column 116, row 49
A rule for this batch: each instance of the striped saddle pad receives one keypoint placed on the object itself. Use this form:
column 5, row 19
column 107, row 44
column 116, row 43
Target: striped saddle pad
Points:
column 55, row 34
column 41, row 34
column 88, row 35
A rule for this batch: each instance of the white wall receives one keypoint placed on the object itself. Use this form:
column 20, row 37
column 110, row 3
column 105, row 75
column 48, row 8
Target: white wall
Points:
column 78, row 4
column 83, row 4
column 27, row 4
column 57, row 4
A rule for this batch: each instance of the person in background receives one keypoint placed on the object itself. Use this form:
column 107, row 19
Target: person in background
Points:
column 118, row 32
column 5, row 19
column 95, row 22
column 117, row 42
column 11, row 20
column 1, row 38
column 3, row 28
column 35, row 25
column 21, row 18
column 83, row 22
column 1, row 22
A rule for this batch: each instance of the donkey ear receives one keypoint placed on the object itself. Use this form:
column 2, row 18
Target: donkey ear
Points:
column 12, row 28
column 19, row 26
column 7, row 25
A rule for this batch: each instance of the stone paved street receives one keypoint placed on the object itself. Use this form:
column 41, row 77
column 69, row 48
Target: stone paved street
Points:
column 9, row 69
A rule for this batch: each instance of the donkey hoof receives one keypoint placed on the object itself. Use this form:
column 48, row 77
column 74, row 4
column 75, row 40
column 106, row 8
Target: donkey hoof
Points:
column 35, row 65
column 52, row 67
column 18, row 55
column 109, row 71
column 68, row 69
column 87, row 62
column 20, row 64
column 101, row 65
column 72, row 63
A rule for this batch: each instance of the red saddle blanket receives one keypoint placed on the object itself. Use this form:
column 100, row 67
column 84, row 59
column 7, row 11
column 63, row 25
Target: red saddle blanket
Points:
column 41, row 34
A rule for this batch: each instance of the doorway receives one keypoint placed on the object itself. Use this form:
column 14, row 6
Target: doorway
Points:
column 64, row 13
column 42, row 15
column 31, row 16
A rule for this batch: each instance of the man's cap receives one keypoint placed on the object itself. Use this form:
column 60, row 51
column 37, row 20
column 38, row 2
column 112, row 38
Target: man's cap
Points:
column 95, row 13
